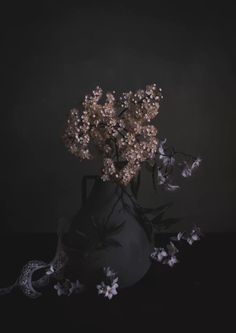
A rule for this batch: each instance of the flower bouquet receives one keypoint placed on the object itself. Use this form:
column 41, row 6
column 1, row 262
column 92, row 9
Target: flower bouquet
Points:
column 110, row 243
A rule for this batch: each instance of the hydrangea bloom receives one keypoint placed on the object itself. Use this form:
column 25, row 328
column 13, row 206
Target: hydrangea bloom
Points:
column 120, row 129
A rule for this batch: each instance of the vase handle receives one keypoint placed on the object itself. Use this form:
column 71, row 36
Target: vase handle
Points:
column 84, row 191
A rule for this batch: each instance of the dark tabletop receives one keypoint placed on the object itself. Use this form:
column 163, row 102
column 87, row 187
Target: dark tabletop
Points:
column 198, row 293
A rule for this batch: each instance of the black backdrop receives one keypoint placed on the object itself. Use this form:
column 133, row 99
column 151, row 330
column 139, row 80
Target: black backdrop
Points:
column 54, row 52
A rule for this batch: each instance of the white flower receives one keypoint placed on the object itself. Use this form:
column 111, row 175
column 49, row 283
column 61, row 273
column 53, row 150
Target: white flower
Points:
column 171, row 188
column 108, row 272
column 161, row 147
column 108, row 290
column 188, row 169
column 171, row 261
column 166, row 160
column 161, row 178
column 114, row 282
column 190, row 240
column 171, row 160
column 60, row 288
column 101, row 287
column 190, row 237
column 50, row 271
column 166, row 257
column 179, row 236
column 196, row 163
column 159, row 254
column 172, row 249
column 194, row 236
column 162, row 254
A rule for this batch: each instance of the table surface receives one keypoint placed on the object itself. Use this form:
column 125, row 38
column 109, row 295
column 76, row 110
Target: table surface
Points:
column 198, row 292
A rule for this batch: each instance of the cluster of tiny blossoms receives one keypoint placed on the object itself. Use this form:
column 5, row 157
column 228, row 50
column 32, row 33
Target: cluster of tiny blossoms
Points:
column 119, row 128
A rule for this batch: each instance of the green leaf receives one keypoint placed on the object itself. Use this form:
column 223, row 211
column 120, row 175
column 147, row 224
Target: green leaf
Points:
column 157, row 219
column 167, row 223
column 107, row 242
column 80, row 233
column 146, row 224
column 113, row 229
column 112, row 242
column 157, row 209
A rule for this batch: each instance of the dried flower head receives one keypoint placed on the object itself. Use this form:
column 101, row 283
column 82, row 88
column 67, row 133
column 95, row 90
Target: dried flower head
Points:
column 120, row 129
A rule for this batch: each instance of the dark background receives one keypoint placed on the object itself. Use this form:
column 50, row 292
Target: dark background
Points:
column 54, row 52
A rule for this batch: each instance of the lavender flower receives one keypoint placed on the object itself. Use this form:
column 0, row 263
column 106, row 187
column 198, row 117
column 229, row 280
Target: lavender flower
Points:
column 196, row 163
column 159, row 254
column 167, row 160
column 179, row 236
column 108, row 290
column 187, row 171
column 189, row 168
column 172, row 249
column 50, row 271
column 166, row 256
column 194, row 236
column 191, row 237
column 171, row 261
column 68, row 288
column 108, row 272
column 171, row 188
column 161, row 178
column 61, row 289
column 161, row 151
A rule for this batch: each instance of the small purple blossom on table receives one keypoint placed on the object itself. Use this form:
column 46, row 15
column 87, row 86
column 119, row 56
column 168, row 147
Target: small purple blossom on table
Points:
column 168, row 256
column 108, row 288
column 68, row 288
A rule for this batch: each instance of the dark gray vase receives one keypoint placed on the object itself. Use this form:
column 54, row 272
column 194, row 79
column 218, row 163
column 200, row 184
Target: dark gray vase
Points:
column 107, row 232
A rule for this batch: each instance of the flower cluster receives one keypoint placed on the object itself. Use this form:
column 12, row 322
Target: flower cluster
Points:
column 168, row 256
column 167, row 161
column 190, row 237
column 190, row 167
column 109, row 287
column 119, row 128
